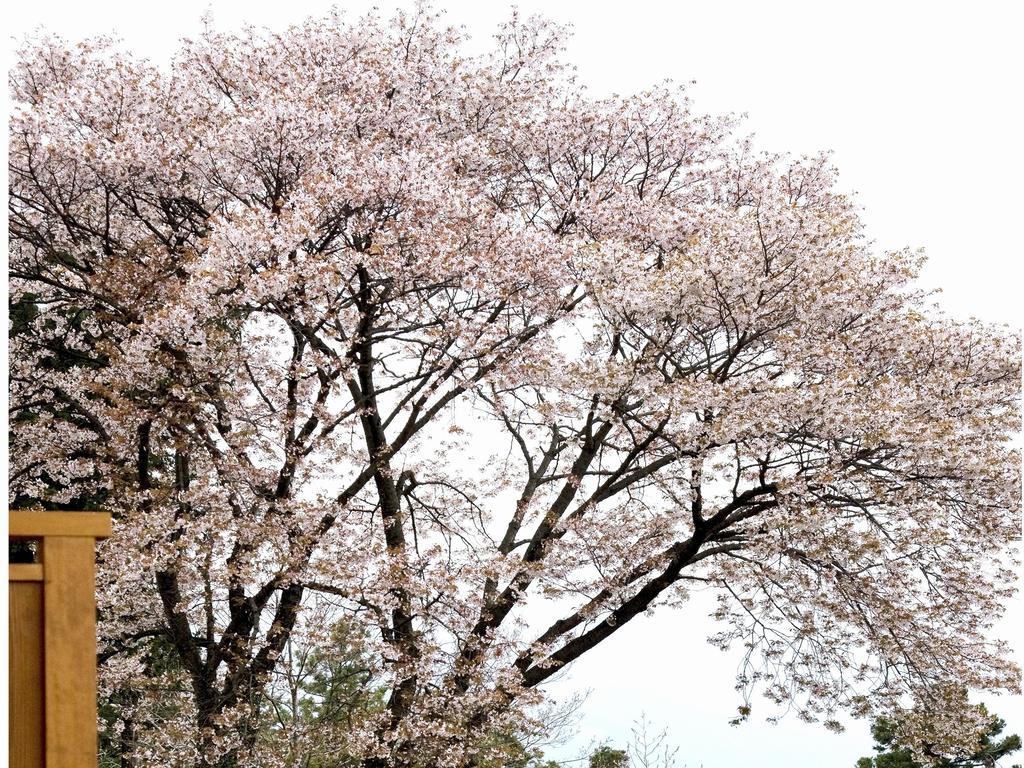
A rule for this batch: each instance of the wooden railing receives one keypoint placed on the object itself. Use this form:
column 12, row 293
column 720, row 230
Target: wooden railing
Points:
column 52, row 630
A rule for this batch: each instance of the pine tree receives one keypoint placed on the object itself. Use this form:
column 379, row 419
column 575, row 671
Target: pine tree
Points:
column 991, row 748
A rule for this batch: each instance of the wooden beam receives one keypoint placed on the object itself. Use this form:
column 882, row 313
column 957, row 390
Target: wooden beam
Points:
column 25, row 572
column 32, row 525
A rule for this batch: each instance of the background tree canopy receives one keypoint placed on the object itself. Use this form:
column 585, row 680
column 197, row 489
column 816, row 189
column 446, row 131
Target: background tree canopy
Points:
column 890, row 744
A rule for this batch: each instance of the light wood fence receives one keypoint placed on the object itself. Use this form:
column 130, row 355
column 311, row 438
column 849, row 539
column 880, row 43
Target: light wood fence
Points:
column 52, row 631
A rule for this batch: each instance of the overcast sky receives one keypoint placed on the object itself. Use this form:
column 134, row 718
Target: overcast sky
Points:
column 920, row 102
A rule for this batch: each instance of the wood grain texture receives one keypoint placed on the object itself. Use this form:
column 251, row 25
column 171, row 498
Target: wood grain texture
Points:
column 69, row 609
column 25, row 572
column 25, row 675
column 35, row 524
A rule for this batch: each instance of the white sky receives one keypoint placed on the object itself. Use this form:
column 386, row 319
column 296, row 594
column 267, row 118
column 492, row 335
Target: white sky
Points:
column 920, row 103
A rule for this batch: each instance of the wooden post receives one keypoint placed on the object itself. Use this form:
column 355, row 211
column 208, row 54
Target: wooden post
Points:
column 52, row 651
column 25, row 660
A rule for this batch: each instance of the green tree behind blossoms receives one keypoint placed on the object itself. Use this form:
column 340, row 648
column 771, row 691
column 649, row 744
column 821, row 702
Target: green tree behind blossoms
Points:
column 992, row 748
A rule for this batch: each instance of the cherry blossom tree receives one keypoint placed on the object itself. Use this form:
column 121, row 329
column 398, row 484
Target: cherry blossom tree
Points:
column 345, row 322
